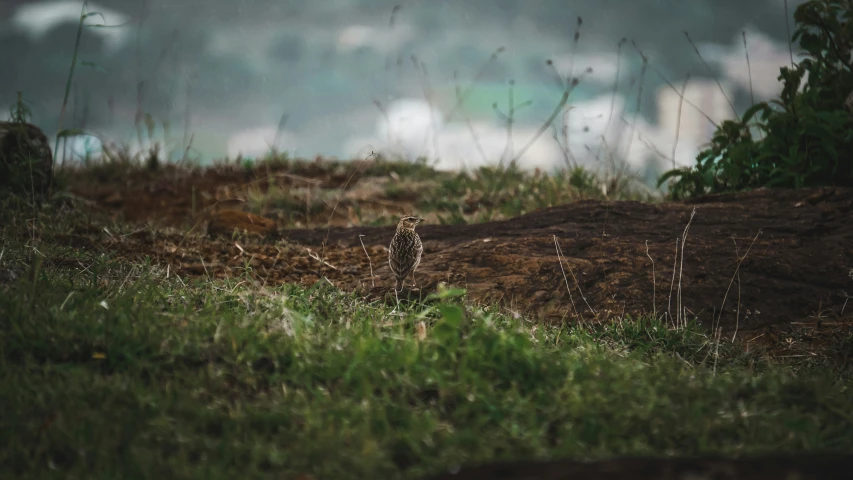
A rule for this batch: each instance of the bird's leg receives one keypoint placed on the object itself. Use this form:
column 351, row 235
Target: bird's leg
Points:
column 414, row 282
column 396, row 297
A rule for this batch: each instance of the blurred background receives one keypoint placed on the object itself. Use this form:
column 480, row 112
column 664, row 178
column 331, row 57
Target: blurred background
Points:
column 343, row 78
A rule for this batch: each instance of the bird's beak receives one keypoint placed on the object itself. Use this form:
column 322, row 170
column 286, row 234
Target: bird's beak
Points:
column 421, row 220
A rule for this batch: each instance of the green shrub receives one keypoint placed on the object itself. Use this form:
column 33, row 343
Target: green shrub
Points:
column 805, row 138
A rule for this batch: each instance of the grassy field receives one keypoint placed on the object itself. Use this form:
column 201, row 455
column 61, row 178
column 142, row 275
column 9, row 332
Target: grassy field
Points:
column 374, row 191
column 115, row 367
column 112, row 368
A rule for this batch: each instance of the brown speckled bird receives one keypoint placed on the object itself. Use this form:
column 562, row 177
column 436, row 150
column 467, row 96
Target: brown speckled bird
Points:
column 404, row 254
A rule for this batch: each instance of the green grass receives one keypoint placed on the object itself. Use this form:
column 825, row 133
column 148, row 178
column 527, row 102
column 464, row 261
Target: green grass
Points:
column 118, row 370
column 497, row 193
column 302, row 193
column 473, row 196
column 111, row 369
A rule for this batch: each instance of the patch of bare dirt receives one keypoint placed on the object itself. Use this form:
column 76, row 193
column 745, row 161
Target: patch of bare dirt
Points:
column 791, row 287
column 176, row 196
column 798, row 268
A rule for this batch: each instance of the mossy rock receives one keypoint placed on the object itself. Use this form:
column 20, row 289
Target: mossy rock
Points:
column 26, row 162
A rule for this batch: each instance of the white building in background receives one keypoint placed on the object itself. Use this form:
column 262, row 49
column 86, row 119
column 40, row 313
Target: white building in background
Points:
column 708, row 101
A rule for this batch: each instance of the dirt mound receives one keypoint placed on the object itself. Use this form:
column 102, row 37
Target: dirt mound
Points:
column 298, row 195
column 797, row 269
column 620, row 258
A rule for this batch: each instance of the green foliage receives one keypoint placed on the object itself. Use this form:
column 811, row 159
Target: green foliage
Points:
column 805, row 138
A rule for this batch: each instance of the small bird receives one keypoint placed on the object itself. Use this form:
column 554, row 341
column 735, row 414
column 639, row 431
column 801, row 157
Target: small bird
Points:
column 404, row 254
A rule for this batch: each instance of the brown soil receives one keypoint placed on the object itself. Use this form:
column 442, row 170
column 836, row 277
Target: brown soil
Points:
column 175, row 196
column 790, row 289
column 798, row 268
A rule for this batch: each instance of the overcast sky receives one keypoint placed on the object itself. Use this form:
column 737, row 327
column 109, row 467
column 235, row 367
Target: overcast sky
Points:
column 233, row 68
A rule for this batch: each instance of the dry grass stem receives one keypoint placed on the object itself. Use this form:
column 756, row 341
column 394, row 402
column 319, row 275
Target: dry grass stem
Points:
column 369, row 261
column 654, row 283
column 737, row 270
column 565, row 278
column 577, row 284
column 338, row 200
column 711, row 72
column 679, row 314
column 678, row 117
column 672, row 282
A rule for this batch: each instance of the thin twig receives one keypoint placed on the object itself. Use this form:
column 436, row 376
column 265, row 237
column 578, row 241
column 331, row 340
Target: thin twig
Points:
column 547, row 124
column 392, row 139
column 654, row 282
column 338, row 200
column 565, row 278
column 573, row 82
column 678, row 119
column 643, row 69
column 321, row 260
column 572, row 273
column 508, row 119
column 737, row 269
column 613, row 93
column 672, row 283
column 788, row 33
column 274, row 261
column 711, row 72
column 737, row 314
column 282, row 123
column 206, row 273
column 565, row 148
column 369, row 261
column 83, row 16
column 574, row 53
column 461, row 98
column 557, row 77
column 681, row 267
column 688, row 102
column 718, row 334
column 748, row 68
